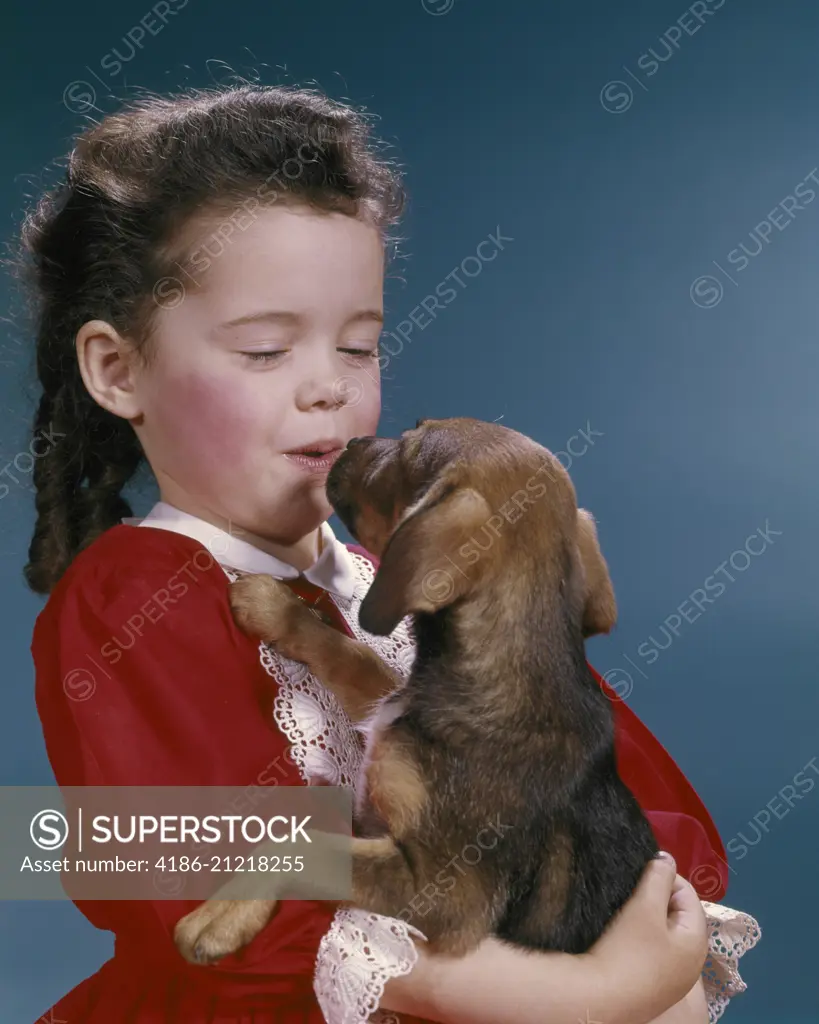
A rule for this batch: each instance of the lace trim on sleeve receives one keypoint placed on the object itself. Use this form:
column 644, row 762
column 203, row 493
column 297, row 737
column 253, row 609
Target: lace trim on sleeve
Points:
column 731, row 933
column 356, row 958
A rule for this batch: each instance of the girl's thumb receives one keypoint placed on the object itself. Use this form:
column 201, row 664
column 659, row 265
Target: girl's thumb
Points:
column 665, row 857
column 658, row 878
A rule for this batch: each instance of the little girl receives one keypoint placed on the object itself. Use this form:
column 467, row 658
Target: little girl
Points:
column 209, row 278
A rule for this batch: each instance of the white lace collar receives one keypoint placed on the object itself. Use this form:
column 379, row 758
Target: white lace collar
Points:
column 334, row 569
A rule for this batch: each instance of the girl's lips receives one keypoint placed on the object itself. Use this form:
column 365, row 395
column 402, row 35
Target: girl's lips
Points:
column 314, row 463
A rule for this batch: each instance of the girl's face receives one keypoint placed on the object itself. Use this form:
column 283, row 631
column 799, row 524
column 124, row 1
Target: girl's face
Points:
column 272, row 348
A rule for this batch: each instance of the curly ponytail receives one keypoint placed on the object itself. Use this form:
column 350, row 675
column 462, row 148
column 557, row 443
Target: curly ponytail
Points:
column 100, row 244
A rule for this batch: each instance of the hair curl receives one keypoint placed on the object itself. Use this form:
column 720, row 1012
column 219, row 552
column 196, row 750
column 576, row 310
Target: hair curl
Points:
column 100, row 244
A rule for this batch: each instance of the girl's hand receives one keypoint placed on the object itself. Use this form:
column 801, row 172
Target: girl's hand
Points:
column 654, row 949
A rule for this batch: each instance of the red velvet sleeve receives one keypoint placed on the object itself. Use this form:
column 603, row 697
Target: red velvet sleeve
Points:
column 142, row 678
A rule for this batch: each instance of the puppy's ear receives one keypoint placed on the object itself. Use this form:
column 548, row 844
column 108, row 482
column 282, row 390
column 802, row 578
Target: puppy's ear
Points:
column 420, row 569
column 599, row 605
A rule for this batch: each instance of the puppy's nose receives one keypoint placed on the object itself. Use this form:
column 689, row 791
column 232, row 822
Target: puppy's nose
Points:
column 354, row 440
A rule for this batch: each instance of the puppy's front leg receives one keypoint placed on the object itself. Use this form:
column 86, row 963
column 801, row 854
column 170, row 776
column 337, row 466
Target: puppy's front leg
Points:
column 267, row 608
column 241, row 907
column 381, row 883
column 219, row 927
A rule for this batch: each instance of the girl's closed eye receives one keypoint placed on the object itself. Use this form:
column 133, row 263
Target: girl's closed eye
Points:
column 265, row 356
column 361, row 353
column 269, row 356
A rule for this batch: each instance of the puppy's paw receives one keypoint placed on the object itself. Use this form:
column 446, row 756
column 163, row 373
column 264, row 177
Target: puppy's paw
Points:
column 220, row 927
column 265, row 607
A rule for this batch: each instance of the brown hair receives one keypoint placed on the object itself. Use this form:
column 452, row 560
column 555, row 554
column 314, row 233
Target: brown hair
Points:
column 100, row 245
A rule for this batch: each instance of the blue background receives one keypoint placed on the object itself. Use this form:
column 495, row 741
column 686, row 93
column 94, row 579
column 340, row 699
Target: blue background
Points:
column 707, row 412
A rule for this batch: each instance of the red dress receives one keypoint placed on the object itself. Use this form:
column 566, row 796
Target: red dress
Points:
column 129, row 695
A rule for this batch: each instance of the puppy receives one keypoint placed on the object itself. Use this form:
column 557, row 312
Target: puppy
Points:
column 500, row 740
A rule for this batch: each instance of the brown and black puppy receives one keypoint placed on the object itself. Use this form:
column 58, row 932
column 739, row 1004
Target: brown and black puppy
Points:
column 501, row 730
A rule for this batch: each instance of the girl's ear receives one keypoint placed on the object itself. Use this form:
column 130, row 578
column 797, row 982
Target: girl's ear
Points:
column 599, row 604
column 107, row 367
column 419, row 571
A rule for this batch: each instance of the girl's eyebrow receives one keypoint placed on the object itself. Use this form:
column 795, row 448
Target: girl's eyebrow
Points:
column 264, row 316
column 374, row 315
column 289, row 318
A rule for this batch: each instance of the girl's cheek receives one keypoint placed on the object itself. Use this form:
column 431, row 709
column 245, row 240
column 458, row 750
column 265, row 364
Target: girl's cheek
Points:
column 207, row 415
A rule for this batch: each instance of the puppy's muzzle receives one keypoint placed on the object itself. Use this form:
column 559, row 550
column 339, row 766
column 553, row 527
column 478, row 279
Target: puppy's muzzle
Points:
column 351, row 468
column 343, row 477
